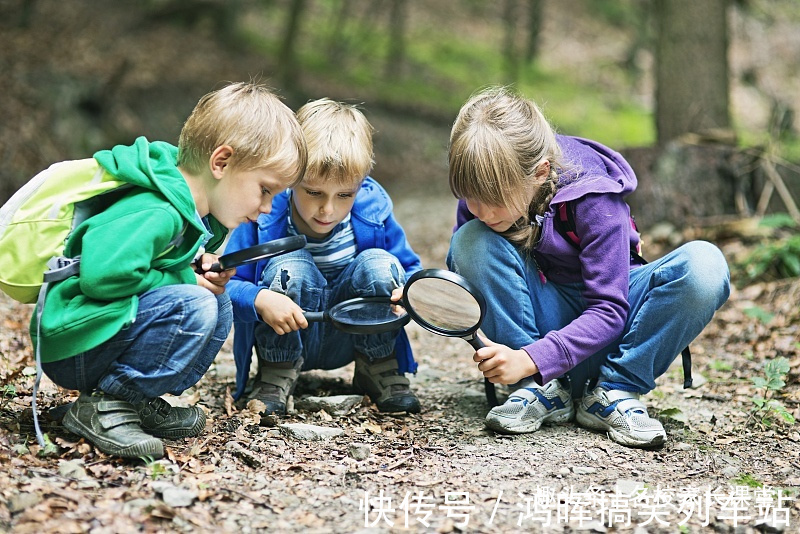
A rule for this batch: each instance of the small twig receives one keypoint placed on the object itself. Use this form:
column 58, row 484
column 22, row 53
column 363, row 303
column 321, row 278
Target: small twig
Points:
column 775, row 177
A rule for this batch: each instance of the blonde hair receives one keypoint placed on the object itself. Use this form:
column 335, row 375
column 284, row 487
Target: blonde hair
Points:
column 339, row 140
column 251, row 119
column 498, row 141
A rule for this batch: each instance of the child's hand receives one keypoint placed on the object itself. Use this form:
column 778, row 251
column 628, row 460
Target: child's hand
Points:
column 397, row 294
column 280, row 312
column 214, row 282
column 503, row 365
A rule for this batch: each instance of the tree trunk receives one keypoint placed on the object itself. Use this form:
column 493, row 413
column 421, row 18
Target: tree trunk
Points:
column 691, row 68
column 395, row 59
column 510, row 60
column 287, row 59
column 535, row 10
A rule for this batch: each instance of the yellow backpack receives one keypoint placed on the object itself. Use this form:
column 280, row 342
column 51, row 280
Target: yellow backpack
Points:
column 36, row 221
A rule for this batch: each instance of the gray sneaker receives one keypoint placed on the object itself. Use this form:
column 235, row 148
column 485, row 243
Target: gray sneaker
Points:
column 161, row 419
column 622, row 416
column 385, row 386
column 527, row 408
column 112, row 425
column 274, row 384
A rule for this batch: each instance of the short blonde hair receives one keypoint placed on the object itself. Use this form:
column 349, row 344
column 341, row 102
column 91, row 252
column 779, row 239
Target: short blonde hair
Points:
column 498, row 141
column 339, row 141
column 251, row 119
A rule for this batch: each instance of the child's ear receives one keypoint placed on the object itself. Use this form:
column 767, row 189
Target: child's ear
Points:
column 220, row 159
column 543, row 170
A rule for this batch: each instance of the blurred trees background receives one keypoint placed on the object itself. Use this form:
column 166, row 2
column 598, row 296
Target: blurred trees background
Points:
column 696, row 94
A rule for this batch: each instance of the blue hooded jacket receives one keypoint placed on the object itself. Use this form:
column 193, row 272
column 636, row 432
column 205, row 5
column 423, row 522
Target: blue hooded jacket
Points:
column 374, row 226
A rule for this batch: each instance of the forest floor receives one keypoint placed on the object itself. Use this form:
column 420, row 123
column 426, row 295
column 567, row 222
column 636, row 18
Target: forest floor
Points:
column 724, row 466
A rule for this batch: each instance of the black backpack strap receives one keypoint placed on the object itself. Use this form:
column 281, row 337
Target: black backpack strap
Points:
column 686, row 359
column 564, row 223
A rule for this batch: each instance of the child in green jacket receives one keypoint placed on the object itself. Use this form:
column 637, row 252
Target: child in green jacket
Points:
column 138, row 321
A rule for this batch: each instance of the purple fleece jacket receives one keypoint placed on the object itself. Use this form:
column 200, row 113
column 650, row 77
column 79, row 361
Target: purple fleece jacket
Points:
column 597, row 179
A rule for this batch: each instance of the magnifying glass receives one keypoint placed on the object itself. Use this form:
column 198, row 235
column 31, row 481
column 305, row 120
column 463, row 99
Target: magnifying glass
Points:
column 445, row 303
column 363, row 315
column 258, row 252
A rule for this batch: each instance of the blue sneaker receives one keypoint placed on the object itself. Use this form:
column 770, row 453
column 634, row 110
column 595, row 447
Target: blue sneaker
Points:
column 622, row 416
column 530, row 406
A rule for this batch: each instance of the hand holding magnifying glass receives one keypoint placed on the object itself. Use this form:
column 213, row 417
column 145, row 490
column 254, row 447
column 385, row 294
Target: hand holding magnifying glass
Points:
column 257, row 252
column 445, row 303
column 440, row 301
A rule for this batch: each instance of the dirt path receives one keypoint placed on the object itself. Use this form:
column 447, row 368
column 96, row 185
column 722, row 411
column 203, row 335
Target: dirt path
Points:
column 441, row 470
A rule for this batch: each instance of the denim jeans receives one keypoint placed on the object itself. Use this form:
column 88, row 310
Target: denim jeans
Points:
column 671, row 300
column 373, row 273
column 174, row 339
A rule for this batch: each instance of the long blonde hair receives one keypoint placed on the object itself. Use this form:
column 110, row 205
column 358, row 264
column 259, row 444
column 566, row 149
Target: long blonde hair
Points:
column 498, row 141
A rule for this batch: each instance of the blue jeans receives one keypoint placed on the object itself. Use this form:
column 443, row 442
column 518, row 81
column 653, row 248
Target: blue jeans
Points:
column 174, row 339
column 671, row 300
column 373, row 273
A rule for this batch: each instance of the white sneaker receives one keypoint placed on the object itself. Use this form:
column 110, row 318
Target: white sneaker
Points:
column 622, row 416
column 531, row 406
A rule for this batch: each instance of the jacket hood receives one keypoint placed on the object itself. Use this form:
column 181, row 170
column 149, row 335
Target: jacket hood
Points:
column 152, row 165
column 591, row 167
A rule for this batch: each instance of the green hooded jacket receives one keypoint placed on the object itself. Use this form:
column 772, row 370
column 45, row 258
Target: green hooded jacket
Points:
column 125, row 251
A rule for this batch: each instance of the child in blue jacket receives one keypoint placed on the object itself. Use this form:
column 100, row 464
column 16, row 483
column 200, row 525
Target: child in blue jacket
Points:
column 355, row 249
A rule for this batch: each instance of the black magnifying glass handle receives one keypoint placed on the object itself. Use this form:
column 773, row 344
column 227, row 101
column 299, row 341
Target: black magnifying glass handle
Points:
column 475, row 341
column 315, row 317
column 491, row 392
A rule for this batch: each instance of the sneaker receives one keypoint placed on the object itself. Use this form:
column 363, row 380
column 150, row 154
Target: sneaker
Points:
column 385, row 386
column 622, row 415
column 274, row 384
column 161, row 419
column 112, row 425
column 527, row 408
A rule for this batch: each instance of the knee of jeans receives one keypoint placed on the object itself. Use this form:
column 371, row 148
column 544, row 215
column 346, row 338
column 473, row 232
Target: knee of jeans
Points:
column 201, row 309
column 224, row 310
column 291, row 273
column 379, row 269
column 474, row 241
column 707, row 273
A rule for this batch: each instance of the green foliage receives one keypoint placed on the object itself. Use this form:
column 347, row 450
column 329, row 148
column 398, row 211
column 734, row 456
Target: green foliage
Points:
column 49, row 449
column 746, row 479
column 721, row 365
column 766, row 408
column 759, row 313
column 155, row 468
column 771, row 260
column 778, row 220
column 675, row 414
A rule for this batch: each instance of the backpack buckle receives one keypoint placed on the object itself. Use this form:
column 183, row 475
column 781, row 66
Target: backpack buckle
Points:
column 60, row 268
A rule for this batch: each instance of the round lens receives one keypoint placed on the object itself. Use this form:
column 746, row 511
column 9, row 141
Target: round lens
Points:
column 360, row 312
column 446, row 306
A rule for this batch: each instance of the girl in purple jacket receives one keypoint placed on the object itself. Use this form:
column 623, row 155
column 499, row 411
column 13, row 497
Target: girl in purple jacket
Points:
column 579, row 319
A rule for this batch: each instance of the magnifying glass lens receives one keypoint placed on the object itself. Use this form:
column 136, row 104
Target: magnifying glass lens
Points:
column 367, row 313
column 445, row 305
